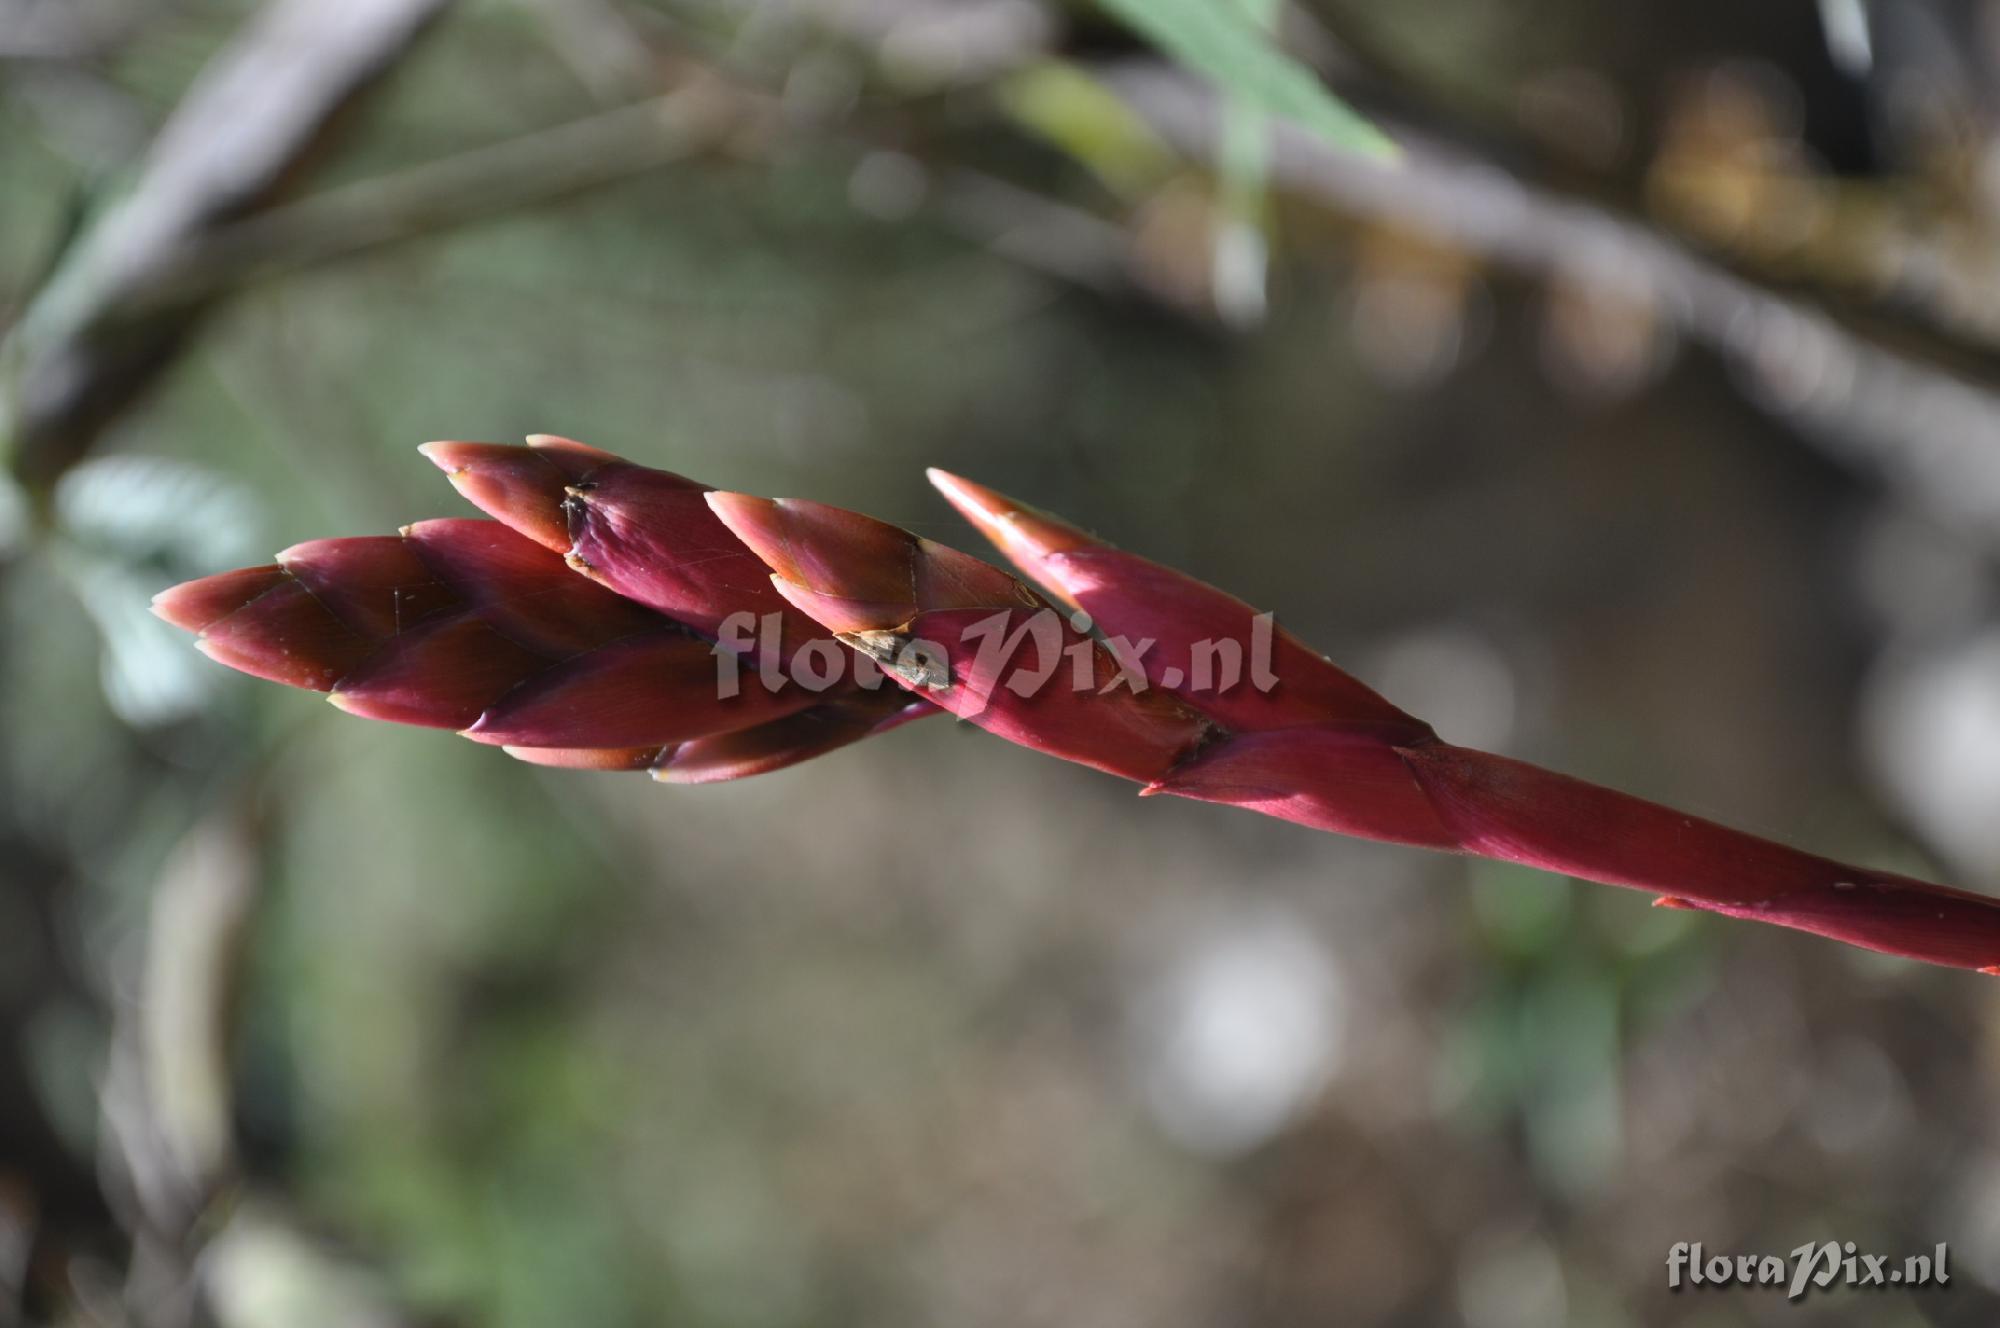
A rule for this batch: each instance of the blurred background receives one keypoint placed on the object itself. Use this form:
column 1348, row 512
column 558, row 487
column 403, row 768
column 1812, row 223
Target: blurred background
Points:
column 1639, row 415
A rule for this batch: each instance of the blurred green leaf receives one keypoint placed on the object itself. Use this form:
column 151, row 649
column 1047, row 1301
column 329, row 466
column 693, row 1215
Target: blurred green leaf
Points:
column 150, row 676
column 129, row 527
column 1226, row 41
column 179, row 519
column 1242, row 249
column 1074, row 111
column 1568, row 1038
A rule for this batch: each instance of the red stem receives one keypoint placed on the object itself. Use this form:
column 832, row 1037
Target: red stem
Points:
column 1502, row 808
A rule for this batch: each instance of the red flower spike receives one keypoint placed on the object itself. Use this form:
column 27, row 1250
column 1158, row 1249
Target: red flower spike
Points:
column 466, row 624
column 1329, row 754
column 490, row 628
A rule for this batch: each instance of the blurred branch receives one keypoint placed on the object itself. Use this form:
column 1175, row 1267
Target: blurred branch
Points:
column 707, row 112
column 1037, row 232
column 1919, row 278
column 70, row 33
column 470, row 187
column 167, row 1142
column 168, row 1101
column 1933, row 434
column 202, row 1250
column 253, row 119
column 599, row 42
column 1904, row 393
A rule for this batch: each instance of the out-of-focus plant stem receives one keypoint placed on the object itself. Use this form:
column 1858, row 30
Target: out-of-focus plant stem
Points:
column 254, row 119
column 167, row 1150
column 456, row 191
column 1922, row 421
column 1241, row 250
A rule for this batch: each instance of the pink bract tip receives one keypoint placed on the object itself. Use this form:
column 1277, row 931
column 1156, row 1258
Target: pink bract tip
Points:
column 850, row 572
column 1027, row 536
column 194, row 606
column 520, row 486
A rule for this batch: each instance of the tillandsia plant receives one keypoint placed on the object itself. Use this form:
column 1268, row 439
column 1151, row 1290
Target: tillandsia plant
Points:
column 613, row 616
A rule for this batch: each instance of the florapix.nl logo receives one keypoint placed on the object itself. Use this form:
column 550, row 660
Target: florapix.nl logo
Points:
column 1812, row 1266
column 1030, row 650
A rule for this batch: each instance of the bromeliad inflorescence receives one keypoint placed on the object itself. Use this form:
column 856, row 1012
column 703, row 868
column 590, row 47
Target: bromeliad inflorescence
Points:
column 616, row 617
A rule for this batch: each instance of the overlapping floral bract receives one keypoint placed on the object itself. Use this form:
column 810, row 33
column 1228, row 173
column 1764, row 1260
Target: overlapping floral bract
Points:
column 613, row 616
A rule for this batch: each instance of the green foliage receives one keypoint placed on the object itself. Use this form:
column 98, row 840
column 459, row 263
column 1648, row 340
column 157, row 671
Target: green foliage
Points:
column 1062, row 103
column 1228, row 43
column 126, row 528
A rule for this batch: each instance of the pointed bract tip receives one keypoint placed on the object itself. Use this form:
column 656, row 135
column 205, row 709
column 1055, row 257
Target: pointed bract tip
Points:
column 555, row 442
column 1023, row 533
column 1675, row 901
column 453, row 455
column 437, row 452
column 847, row 571
column 1993, row 971
column 584, row 758
column 195, row 606
column 851, row 620
column 746, row 508
column 514, row 484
